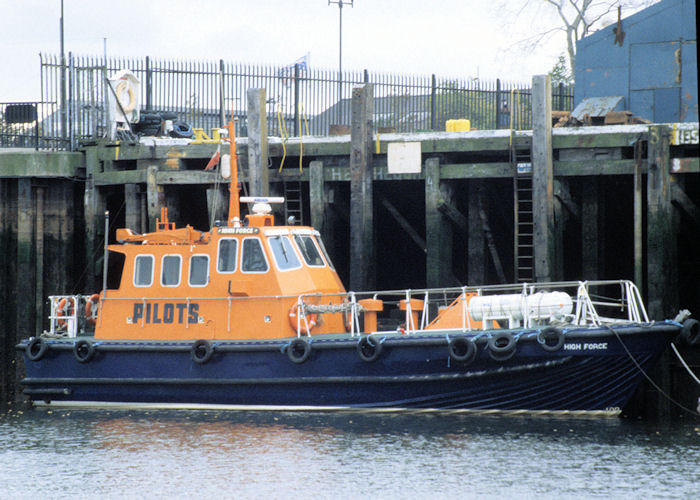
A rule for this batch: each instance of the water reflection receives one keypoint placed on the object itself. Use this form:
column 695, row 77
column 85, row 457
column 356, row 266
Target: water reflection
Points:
column 122, row 454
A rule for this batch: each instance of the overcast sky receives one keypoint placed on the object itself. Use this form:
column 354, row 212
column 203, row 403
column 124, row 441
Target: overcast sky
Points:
column 452, row 38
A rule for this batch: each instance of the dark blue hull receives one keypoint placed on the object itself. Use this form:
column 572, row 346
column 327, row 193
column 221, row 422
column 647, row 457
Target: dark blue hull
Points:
column 595, row 369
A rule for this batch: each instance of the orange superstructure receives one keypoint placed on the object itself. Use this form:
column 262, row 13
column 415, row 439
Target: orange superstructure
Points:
column 241, row 280
column 230, row 283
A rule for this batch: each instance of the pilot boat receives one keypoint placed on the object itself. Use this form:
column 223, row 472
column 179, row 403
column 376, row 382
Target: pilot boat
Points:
column 253, row 315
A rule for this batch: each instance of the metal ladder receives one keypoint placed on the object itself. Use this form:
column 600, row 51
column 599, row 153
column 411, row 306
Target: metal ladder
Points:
column 524, row 228
column 293, row 201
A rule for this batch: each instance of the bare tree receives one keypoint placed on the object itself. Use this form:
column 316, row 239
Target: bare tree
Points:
column 574, row 18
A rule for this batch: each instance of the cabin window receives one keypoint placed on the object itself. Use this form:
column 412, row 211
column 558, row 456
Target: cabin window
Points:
column 143, row 270
column 199, row 270
column 285, row 256
column 115, row 268
column 170, row 272
column 253, row 258
column 308, row 250
column 325, row 253
column 226, row 262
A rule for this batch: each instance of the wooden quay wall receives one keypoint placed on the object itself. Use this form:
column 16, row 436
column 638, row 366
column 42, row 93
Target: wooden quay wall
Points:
column 608, row 202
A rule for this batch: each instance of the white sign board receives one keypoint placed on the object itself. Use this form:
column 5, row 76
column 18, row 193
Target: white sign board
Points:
column 404, row 157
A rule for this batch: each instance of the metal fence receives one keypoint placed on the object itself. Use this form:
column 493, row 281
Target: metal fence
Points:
column 300, row 100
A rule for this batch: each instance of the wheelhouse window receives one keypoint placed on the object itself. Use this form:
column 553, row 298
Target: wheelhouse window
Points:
column 226, row 262
column 308, row 250
column 143, row 270
column 325, row 253
column 170, row 272
column 253, row 258
column 199, row 270
column 283, row 252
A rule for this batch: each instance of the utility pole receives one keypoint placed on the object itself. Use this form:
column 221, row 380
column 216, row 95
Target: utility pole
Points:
column 340, row 4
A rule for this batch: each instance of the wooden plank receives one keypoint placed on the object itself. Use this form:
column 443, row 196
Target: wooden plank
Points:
column 438, row 230
column 590, row 230
column 155, row 197
column 476, row 241
column 317, row 203
column 543, row 180
column 638, row 197
column 685, row 165
column 94, row 207
column 132, row 207
column 683, row 201
column 217, row 203
column 40, row 164
column 451, row 212
column 40, row 194
column 118, row 178
column 662, row 287
column 24, row 303
column 405, row 225
column 257, row 143
column 189, row 177
column 617, row 136
column 595, row 167
column 362, row 255
column 490, row 240
column 184, row 177
column 563, row 194
column 8, row 356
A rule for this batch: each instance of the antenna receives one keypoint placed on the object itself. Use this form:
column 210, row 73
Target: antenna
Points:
column 234, row 207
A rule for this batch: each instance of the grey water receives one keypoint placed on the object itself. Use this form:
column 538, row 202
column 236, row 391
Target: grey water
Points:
column 186, row 454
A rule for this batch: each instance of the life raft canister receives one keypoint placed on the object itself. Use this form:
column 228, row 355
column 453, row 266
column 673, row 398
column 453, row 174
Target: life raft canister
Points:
column 92, row 307
column 311, row 320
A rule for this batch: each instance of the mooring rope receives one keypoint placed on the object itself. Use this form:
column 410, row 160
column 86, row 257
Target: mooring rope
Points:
column 654, row 384
column 690, row 372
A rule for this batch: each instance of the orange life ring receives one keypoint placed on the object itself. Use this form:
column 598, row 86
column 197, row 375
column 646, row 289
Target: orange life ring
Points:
column 311, row 320
column 92, row 306
column 347, row 316
column 347, row 321
column 64, row 310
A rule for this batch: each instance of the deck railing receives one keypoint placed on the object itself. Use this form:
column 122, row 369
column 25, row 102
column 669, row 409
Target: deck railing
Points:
column 528, row 306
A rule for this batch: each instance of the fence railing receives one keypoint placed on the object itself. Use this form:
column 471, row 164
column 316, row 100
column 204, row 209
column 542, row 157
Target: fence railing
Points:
column 300, row 100
column 24, row 125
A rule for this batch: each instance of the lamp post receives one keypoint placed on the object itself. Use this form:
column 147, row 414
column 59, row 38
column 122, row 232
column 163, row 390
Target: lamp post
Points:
column 63, row 79
column 340, row 4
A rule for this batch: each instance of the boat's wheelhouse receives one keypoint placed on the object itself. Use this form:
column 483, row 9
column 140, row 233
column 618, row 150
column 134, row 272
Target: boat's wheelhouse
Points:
column 233, row 282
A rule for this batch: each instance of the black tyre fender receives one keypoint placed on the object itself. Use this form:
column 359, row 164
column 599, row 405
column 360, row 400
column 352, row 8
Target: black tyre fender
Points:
column 149, row 117
column 298, row 350
column 690, row 332
column 83, row 350
column 551, row 339
column 462, row 350
column 36, row 348
column 369, row 348
column 201, row 351
column 502, row 346
column 181, row 129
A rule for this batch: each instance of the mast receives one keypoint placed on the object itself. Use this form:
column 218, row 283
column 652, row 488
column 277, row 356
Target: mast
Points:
column 234, row 208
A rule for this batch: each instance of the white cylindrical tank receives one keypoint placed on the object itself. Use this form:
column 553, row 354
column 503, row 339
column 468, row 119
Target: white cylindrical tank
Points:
column 516, row 306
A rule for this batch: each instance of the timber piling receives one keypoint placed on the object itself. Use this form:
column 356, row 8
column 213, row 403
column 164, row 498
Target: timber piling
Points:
column 608, row 202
